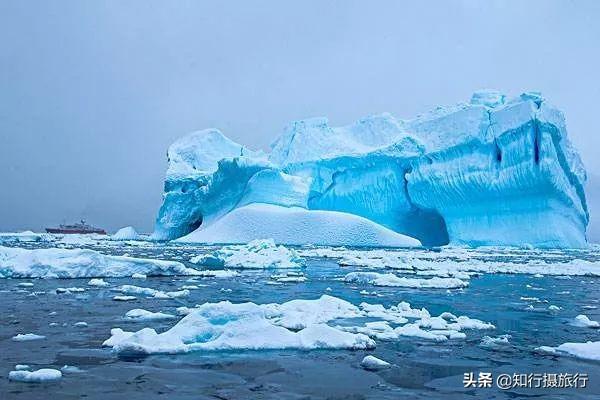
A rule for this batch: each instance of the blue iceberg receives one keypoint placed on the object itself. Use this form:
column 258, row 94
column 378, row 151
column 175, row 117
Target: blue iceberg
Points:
column 494, row 171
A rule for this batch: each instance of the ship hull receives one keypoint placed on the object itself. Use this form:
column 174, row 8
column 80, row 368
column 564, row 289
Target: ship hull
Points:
column 75, row 231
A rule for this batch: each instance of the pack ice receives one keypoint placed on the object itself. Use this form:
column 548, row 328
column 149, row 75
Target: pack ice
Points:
column 494, row 171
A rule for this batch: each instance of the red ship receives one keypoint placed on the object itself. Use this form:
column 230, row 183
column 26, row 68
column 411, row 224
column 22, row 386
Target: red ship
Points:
column 80, row 227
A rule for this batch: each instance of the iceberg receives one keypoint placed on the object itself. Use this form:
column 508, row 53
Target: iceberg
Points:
column 493, row 171
column 126, row 233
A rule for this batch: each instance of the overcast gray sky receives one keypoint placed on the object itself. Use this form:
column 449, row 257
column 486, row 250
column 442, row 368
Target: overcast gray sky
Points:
column 92, row 93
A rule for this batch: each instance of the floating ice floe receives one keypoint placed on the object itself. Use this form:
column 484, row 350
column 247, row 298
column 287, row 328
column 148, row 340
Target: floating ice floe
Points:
column 98, row 282
column 124, row 298
column 296, row 324
column 25, row 236
column 126, row 233
column 159, row 294
column 41, row 375
column 26, row 337
column 289, row 277
column 74, row 240
column 80, row 324
column 587, row 351
column 256, row 254
column 71, row 369
column 139, row 314
column 137, row 275
column 582, row 321
column 216, row 273
column 69, row 290
column 495, row 342
column 460, row 263
column 373, row 363
column 378, row 279
column 25, row 284
column 80, row 263
column 22, row 367
column 227, row 326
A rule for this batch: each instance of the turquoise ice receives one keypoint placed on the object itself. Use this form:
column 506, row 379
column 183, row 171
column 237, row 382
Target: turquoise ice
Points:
column 494, row 171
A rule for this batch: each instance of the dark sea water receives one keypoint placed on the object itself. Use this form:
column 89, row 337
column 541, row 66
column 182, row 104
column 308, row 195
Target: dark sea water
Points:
column 421, row 369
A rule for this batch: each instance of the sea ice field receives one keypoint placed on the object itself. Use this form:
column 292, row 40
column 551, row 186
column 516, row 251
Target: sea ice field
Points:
column 101, row 319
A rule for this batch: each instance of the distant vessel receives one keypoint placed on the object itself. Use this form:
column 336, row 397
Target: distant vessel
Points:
column 80, row 227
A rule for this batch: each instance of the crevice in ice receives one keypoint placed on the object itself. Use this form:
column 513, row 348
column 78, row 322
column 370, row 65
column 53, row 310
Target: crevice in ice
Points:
column 498, row 152
column 536, row 142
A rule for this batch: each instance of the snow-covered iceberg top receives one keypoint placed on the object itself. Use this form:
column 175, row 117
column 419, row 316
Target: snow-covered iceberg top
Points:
column 494, row 171
column 80, row 263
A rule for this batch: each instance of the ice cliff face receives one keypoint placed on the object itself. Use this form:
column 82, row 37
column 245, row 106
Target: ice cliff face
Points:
column 491, row 172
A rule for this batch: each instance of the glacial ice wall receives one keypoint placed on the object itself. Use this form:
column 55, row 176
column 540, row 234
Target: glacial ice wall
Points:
column 494, row 171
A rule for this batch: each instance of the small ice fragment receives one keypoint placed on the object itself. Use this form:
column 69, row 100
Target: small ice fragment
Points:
column 22, row 367
column 69, row 290
column 80, row 324
column 546, row 350
column 552, row 307
column 124, row 298
column 98, row 282
column 139, row 314
column 494, row 342
column 583, row 321
column 27, row 337
column 373, row 363
column 41, row 375
column 138, row 276
column 71, row 369
column 25, row 284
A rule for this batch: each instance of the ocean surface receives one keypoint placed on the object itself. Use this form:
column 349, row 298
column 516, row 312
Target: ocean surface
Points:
column 517, row 304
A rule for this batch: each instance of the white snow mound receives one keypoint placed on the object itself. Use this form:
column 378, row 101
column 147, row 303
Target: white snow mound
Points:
column 297, row 226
